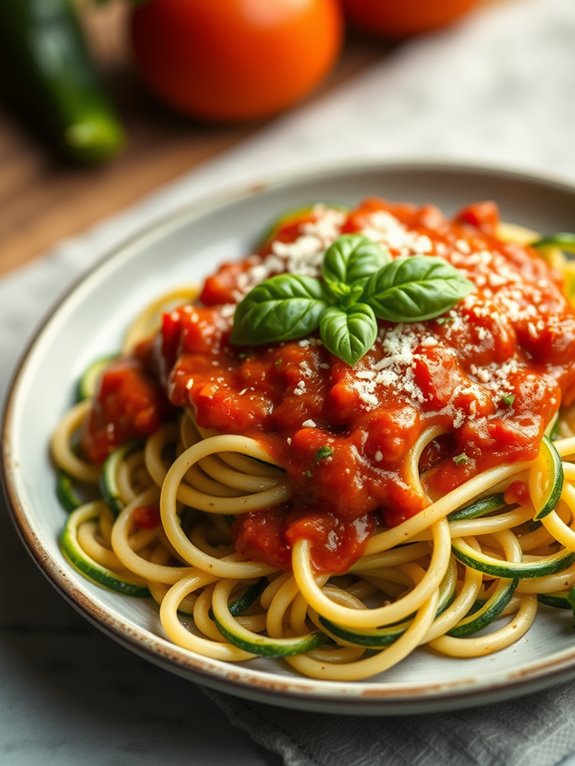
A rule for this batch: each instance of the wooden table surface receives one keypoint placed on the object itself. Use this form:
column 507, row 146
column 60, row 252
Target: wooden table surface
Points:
column 43, row 200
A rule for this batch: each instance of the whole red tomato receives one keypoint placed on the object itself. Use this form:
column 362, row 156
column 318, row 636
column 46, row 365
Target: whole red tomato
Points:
column 403, row 18
column 234, row 59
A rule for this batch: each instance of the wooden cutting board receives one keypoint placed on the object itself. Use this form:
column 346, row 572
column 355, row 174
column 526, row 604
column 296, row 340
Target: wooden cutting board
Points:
column 43, row 200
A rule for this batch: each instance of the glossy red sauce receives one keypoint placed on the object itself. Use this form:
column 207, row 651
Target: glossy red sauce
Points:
column 491, row 373
column 130, row 405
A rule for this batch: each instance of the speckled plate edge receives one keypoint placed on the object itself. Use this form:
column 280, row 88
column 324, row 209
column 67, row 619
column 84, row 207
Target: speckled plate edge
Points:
column 375, row 698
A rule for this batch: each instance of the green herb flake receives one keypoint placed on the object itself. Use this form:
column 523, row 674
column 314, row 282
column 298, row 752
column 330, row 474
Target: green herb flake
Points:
column 461, row 459
column 308, row 474
column 508, row 399
column 323, row 453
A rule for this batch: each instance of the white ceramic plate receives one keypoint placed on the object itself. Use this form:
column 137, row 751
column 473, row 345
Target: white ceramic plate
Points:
column 89, row 323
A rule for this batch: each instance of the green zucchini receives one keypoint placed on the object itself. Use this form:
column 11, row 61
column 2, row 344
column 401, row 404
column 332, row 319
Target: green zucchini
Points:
column 554, row 434
column 47, row 69
column 293, row 215
column 553, row 460
column 555, row 600
column 511, row 569
column 563, row 240
column 382, row 637
column 108, row 481
column 269, row 647
column 248, row 597
column 485, row 615
column 87, row 384
column 480, row 507
column 256, row 643
column 66, row 493
column 93, row 571
column 377, row 638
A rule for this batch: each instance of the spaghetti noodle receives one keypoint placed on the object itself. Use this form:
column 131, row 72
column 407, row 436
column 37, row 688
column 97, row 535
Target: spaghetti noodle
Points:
column 276, row 500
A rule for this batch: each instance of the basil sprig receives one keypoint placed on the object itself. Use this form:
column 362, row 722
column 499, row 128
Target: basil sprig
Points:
column 360, row 285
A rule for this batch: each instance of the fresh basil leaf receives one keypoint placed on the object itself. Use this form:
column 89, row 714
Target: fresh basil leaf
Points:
column 352, row 258
column 415, row 289
column 284, row 307
column 348, row 333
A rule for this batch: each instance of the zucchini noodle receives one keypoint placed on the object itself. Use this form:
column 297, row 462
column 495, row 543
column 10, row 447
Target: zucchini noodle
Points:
column 465, row 586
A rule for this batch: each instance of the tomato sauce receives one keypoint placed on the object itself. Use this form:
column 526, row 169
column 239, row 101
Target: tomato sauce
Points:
column 130, row 405
column 491, row 373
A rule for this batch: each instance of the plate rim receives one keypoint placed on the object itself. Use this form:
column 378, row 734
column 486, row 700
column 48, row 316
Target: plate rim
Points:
column 264, row 686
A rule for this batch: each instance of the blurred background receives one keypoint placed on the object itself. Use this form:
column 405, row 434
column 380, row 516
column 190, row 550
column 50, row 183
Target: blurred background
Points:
column 103, row 102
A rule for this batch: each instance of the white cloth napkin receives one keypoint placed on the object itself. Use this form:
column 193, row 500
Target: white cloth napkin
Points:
column 538, row 730
column 497, row 88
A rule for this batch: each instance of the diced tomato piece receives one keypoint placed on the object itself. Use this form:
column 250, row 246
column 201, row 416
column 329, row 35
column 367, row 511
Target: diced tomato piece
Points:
column 335, row 544
column 130, row 404
column 146, row 516
column 517, row 492
column 483, row 216
column 222, row 286
column 260, row 536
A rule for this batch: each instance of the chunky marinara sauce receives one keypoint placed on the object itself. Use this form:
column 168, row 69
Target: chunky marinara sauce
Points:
column 491, row 373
